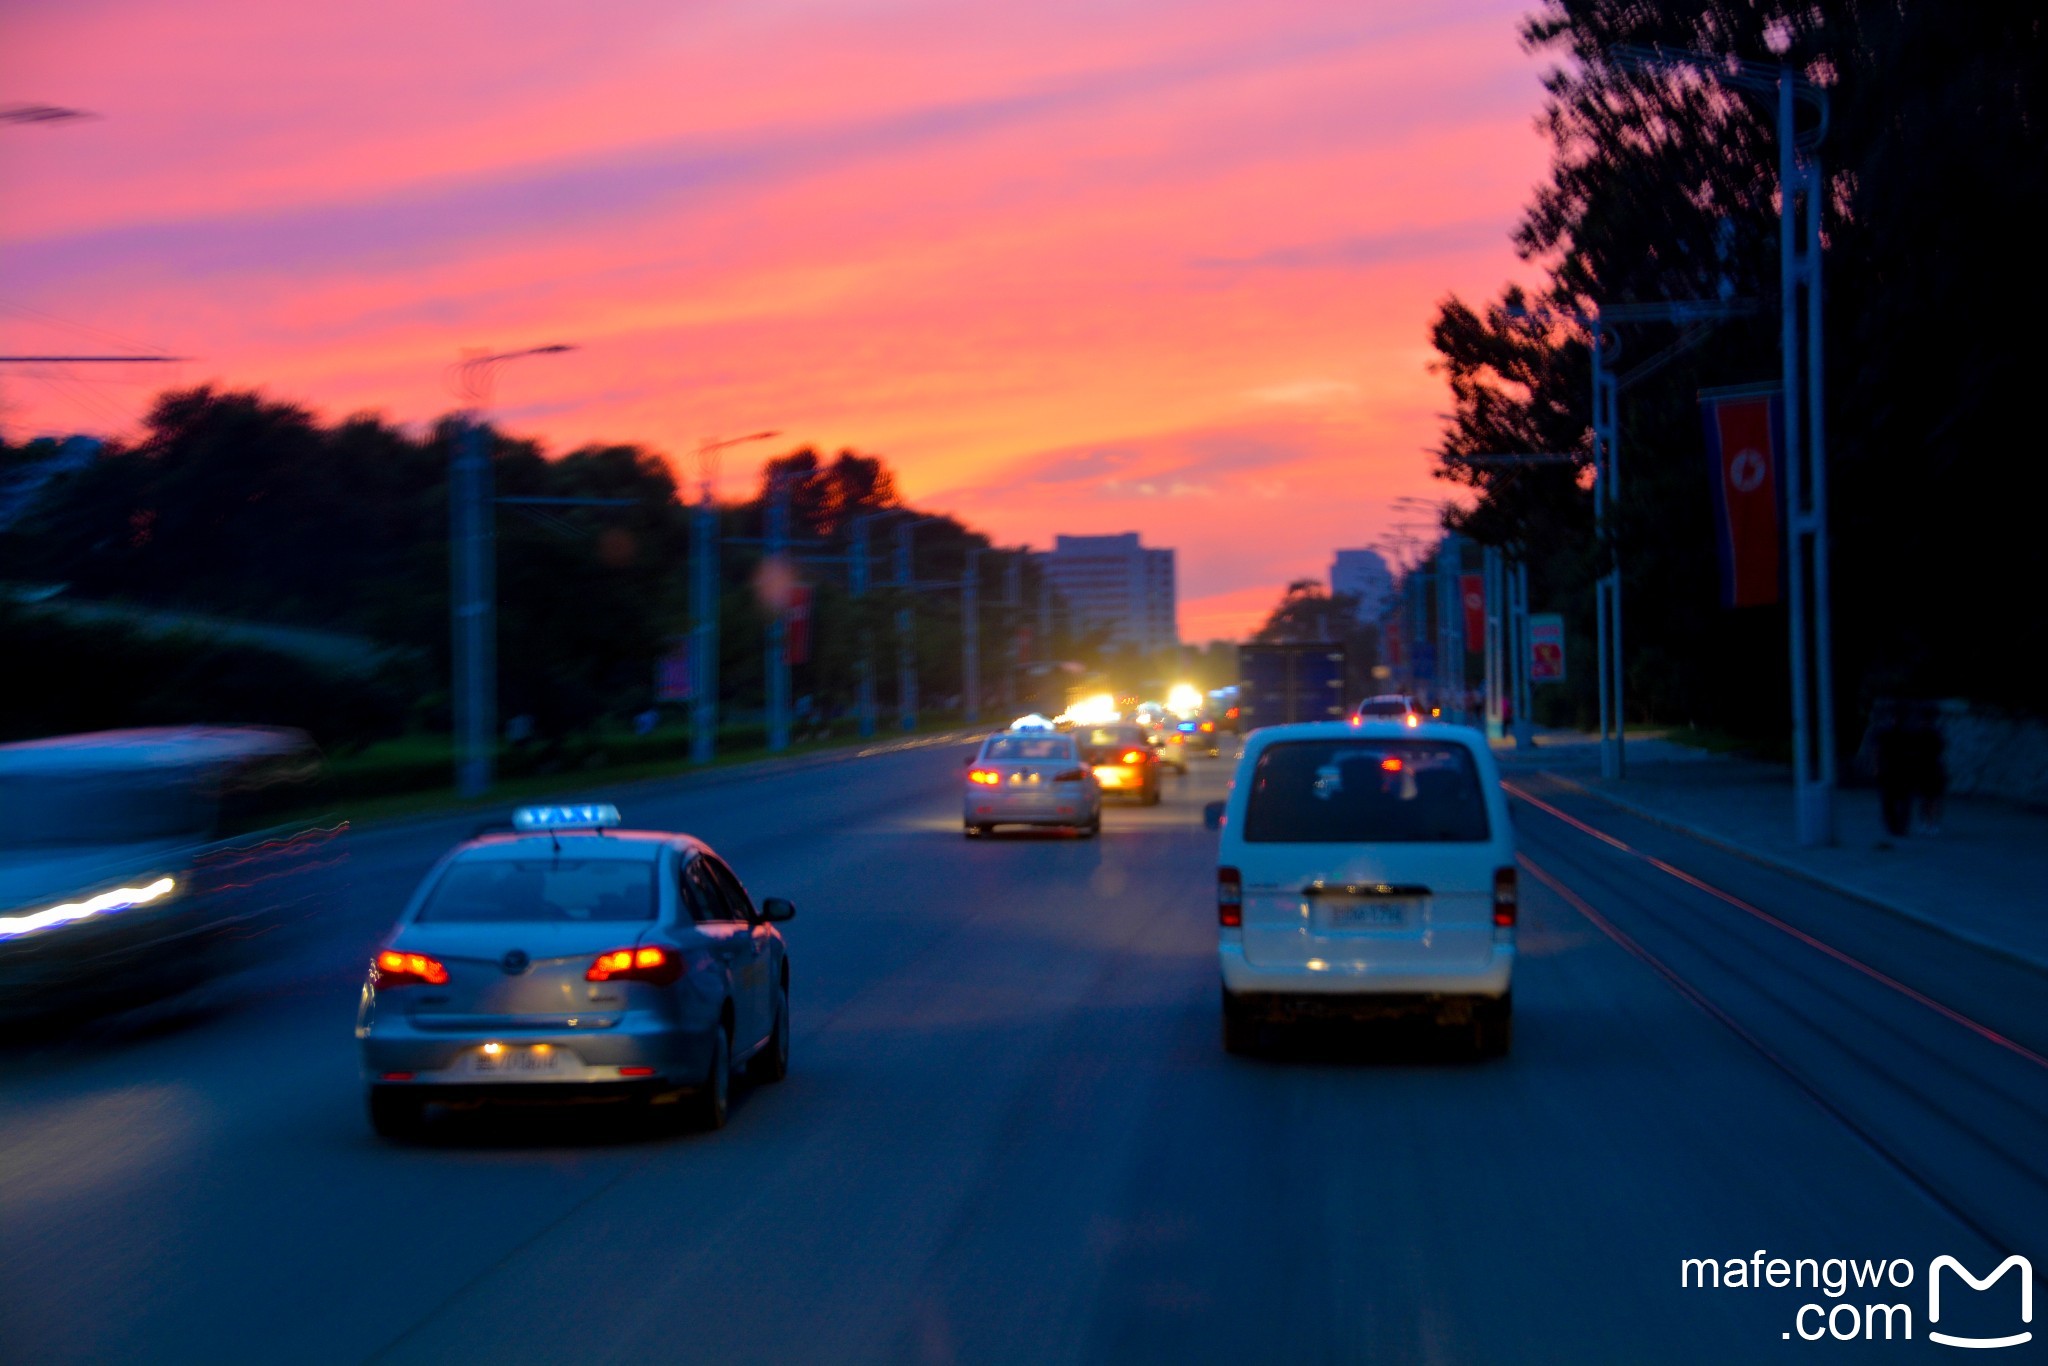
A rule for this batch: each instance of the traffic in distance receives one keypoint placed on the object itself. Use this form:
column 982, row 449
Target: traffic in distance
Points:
column 1366, row 871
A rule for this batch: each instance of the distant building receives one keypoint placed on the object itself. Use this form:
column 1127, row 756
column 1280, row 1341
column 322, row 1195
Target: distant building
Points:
column 1364, row 575
column 1113, row 581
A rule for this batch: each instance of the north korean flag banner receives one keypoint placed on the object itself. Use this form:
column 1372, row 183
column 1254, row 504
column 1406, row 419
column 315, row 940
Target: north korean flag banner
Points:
column 1390, row 643
column 1472, row 591
column 1745, row 431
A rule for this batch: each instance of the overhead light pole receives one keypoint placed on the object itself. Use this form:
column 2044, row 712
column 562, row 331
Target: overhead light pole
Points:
column 472, row 572
column 704, row 597
column 1800, row 191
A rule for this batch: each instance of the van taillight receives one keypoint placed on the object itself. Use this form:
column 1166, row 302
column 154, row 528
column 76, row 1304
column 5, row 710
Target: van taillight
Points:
column 1229, row 898
column 1503, row 896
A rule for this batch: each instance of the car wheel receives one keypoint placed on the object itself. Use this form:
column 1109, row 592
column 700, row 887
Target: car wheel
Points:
column 709, row 1106
column 1240, row 1029
column 1493, row 1027
column 1093, row 828
column 396, row 1113
column 773, row 1062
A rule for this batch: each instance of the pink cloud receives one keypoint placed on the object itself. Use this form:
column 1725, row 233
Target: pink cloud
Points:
column 980, row 240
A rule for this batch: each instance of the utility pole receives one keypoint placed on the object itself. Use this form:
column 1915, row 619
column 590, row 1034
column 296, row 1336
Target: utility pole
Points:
column 1013, row 599
column 970, row 637
column 857, row 582
column 1492, row 585
column 906, row 655
column 472, row 527
column 473, row 573
column 778, row 616
column 704, row 583
column 1800, row 192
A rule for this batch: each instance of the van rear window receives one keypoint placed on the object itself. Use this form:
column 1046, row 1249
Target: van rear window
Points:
column 1365, row 792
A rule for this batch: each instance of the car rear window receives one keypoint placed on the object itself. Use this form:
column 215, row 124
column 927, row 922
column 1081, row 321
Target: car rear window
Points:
column 487, row 891
column 1384, row 706
column 1365, row 792
column 1023, row 747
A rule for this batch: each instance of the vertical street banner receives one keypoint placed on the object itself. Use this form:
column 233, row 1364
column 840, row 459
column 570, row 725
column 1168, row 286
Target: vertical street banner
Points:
column 1472, row 593
column 797, row 620
column 1390, row 643
column 1745, row 431
column 1546, row 648
column 672, row 681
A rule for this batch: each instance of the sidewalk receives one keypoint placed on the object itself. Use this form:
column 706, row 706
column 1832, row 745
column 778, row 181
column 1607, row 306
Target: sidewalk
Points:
column 1983, row 879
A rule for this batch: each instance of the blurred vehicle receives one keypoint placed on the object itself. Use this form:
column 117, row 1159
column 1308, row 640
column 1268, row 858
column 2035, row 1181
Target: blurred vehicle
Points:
column 1031, row 778
column 1366, row 871
column 1184, row 700
column 1091, row 709
column 1282, row 684
column 571, row 960
column 1164, row 729
column 137, row 863
column 1033, row 722
column 1222, row 706
column 1199, row 735
column 1392, row 706
column 1124, row 758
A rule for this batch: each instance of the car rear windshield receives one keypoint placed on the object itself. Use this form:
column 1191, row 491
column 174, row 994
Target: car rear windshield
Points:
column 1385, row 706
column 1365, row 792
column 1027, row 747
column 483, row 891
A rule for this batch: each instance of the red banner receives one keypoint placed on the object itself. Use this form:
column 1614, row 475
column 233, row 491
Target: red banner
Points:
column 1472, row 592
column 1744, row 430
column 1390, row 644
column 797, row 643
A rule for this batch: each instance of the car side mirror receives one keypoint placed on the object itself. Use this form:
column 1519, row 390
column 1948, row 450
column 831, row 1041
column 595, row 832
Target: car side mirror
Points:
column 1212, row 816
column 777, row 909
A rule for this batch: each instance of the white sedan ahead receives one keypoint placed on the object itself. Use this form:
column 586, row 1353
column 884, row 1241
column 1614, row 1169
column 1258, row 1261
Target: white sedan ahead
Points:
column 1031, row 778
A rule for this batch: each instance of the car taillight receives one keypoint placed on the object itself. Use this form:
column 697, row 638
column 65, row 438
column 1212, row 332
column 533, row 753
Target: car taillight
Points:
column 395, row 969
column 987, row 777
column 1413, row 719
column 1229, row 897
column 1133, row 756
column 647, row 963
column 1208, row 726
column 1504, row 896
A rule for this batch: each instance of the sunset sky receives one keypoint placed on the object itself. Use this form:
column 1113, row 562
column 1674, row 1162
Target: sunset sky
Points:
column 1153, row 265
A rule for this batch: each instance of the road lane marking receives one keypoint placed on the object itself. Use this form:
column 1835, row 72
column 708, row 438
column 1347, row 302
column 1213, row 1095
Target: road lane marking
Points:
column 1847, row 960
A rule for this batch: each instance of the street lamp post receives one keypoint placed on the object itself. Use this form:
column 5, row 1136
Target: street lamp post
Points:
column 472, row 573
column 1800, row 191
column 704, row 598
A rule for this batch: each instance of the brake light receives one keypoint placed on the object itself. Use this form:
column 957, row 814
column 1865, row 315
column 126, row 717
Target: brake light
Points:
column 647, row 963
column 987, row 777
column 1208, row 726
column 395, row 969
column 1390, row 764
column 1504, row 896
column 1229, row 898
column 1132, row 756
column 1230, row 715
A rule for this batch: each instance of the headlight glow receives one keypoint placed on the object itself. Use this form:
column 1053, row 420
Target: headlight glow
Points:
column 120, row 899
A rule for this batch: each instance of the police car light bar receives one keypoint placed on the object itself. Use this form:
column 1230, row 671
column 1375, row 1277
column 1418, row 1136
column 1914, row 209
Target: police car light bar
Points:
column 589, row 817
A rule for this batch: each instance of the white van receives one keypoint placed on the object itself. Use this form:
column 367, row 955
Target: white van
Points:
column 1366, row 869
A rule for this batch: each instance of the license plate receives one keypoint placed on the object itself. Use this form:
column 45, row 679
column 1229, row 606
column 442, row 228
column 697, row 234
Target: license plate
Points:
column 519, row 1062
column 1370, row 915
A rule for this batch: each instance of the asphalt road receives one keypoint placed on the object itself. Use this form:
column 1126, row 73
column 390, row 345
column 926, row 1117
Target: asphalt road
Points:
column 1010, row 1132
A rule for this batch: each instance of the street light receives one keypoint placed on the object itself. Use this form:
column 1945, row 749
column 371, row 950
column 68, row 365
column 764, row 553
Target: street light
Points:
column 704, row 597
column 472, row 534
column 1800, row 191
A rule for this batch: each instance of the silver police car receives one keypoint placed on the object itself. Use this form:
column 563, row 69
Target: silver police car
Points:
column 571, row 960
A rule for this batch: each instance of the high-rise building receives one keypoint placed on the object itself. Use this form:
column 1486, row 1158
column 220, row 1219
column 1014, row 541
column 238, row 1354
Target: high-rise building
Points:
column 1113, row 581
column 1364, row 575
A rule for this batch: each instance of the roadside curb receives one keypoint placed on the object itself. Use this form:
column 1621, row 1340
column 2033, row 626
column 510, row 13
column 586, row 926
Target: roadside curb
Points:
column 685, row 778
column 1778, row 865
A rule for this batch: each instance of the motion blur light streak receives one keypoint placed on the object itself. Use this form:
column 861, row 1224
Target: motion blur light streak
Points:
column 120, row 899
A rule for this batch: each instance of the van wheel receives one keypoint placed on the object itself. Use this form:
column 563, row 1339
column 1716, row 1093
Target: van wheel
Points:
column 1240, row 1029
column 396, row 1115
column 1493, row 1027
